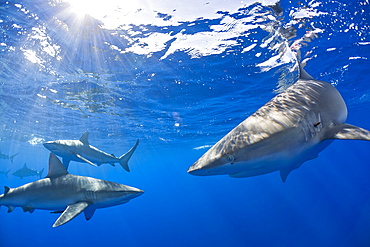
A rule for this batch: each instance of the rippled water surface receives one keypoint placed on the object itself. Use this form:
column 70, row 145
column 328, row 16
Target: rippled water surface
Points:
column 179, row 75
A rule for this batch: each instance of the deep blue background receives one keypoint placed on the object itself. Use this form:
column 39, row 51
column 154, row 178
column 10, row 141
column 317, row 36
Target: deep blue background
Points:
column 176, row 105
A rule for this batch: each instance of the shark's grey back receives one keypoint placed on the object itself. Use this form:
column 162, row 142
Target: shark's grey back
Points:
column 306, row 102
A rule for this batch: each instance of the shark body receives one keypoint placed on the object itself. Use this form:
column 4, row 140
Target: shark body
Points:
column 27, row 172
column 81, row 151
column 5, row 172
column 7, row 157
column 67, row 194
column 293, row 127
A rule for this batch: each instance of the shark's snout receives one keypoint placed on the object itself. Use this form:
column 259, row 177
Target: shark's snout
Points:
column 135, row 193
column 197, row 170
column 139, row 193
column 49, row 145
column 192, row 170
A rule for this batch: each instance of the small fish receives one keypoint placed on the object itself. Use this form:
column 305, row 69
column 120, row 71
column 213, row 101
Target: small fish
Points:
column 7, row 157
column 27, row 172
column 5, row 172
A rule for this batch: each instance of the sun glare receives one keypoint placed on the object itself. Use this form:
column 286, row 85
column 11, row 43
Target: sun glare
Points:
column 106, row 11
column 85, row 7
column 110, row 12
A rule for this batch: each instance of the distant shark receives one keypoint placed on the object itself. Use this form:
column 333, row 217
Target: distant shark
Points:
column 7, row 157
column 27, row 172
column 81, row 151
column 5, row 172
column 67, row 194
column 293, row 127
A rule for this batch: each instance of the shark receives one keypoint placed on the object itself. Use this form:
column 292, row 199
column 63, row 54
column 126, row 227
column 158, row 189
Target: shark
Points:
column 290, row 129
column 27, row 172
column 5, row 172
column 67, row 194
column 81, row 151
column 7, row 157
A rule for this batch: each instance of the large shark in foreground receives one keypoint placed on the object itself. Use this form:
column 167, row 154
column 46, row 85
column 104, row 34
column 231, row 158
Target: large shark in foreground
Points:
column 290, row 129
column 81, row 151
column 67, row 194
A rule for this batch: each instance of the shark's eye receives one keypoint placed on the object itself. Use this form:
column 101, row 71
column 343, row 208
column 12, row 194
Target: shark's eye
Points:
column 230, row 158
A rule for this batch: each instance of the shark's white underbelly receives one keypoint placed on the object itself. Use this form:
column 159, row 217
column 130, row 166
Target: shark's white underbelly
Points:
column 277, row 161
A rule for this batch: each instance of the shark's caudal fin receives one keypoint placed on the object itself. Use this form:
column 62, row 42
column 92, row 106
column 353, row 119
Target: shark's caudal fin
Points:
column 123, row 160
column 40, row 172
column 348, row 132
column 11, row 158
column 56, row 168
column 7, row 172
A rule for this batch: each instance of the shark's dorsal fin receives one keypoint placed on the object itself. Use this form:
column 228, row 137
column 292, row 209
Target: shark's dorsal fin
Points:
column 348, row 132
column 56, row 168
column 303, row 74
column 25, row 165
column 71, row 212
column 85, row 138
column 6, row 190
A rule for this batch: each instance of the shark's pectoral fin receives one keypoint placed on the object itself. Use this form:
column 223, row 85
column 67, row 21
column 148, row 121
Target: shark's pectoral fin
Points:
column 85, row 160
column 70, row 213
column 349, row 132
column 89, row 212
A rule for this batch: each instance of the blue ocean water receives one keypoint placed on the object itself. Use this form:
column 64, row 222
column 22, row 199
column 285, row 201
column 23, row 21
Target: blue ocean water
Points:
column 179, row 77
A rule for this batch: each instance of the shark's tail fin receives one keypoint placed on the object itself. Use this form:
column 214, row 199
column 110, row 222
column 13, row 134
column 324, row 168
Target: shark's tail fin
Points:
column 12, row 157
column 6, row 173
column 123, row 160
column 40, row 173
